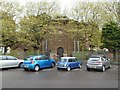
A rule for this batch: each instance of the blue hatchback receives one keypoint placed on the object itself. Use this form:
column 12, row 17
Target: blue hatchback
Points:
column 68, row 63
column 38, row 62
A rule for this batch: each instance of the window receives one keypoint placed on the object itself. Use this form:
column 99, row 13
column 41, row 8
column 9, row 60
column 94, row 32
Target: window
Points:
column 37, row 58
column 75, row 60
column 103, row 59
column 2, row 57
column 70, row 60
column 30, row 58
column 44, row 58
column 94, row 59
column 63, row 60
column 11, row 58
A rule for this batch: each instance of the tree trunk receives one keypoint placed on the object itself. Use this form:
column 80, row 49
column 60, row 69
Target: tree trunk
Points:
column 118, row 55
column 5, row 50
column 114, row 55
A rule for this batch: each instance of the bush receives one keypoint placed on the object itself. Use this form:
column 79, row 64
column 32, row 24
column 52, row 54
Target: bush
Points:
column 84, row 55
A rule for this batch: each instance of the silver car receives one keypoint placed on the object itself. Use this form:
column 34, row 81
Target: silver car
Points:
column 10, row 61
column 98, row 63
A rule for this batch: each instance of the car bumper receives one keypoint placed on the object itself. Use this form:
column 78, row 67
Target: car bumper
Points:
column 28, row 66
column 95, row 66
column 61, row 67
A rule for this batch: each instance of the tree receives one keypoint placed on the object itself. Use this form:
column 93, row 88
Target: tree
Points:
column 33, row 29
column 111, row 36
column 37, row 8
column 9, row 13
column 112, row 9
column 8, row 32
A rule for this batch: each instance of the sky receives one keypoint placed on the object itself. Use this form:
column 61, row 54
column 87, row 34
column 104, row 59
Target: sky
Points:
column 65, row 4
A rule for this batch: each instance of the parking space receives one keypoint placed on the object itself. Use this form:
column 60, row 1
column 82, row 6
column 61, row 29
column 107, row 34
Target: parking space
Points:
column 52, row 78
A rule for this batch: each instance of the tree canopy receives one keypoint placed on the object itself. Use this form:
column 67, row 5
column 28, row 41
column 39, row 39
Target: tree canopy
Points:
column 111, row 36
column 34, row 29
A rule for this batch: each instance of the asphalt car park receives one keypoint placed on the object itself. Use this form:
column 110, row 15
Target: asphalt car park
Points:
column 52, row 78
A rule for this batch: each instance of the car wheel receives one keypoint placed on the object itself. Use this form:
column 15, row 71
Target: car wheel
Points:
column 53, row 65
column 68, row 68
column 79, row 66
column 103, row 68
column 36, row 68
column 88, row 69
column 20, row 65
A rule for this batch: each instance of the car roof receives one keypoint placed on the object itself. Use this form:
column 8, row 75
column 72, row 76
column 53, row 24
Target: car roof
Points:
column 68, row 57
column 6, row 55
column 36, row 56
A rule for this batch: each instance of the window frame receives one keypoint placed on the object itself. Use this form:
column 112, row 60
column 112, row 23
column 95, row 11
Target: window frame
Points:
column 11, row 58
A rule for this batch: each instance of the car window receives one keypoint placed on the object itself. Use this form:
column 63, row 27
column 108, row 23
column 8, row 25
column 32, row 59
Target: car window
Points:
column 11, row 58
column 94, row 59
column 103, row 59
column 31, row 58
column 70, row 60
column 63, row 60
column 37, row 58
column 3, row 58
column 44, row 58
column 75, row 60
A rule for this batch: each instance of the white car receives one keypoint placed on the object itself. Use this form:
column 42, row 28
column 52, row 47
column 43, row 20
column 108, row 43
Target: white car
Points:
column 10, row 61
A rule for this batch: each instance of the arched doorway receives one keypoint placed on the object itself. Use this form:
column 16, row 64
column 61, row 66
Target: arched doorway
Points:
column 60, row 52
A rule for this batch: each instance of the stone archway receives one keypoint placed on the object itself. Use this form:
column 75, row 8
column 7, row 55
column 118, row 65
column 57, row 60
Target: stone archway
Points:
column 60, row 52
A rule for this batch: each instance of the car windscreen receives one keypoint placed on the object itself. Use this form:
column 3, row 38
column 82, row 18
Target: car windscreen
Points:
column 94, row 59
column 63, row 60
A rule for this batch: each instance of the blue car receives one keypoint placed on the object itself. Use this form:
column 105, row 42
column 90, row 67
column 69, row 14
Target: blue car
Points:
column 38, row 62
column 68, row 63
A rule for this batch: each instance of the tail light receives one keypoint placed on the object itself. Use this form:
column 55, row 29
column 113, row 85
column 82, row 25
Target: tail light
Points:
column 99, row 62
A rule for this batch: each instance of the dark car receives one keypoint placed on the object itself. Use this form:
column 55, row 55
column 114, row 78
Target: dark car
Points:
column 98, row 62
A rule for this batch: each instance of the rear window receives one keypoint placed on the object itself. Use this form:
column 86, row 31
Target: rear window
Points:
column 94, row 59
column 31, row 58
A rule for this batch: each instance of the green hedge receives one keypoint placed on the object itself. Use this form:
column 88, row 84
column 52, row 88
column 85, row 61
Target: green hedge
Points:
column 82, row 56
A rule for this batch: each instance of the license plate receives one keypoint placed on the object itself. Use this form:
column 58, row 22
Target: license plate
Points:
column 93, row 66
column 25, row 66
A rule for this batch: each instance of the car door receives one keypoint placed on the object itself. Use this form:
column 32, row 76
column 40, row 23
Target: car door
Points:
column 76, row 63
column 44, row 62
column 70, row 62
column 3, row 61
column 12, row 61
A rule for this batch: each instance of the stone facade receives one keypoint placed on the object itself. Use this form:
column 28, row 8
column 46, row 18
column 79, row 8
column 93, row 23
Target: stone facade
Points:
column 61, row 45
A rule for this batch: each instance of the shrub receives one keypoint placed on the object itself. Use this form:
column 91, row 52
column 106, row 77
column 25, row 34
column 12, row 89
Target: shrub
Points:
column 84, row 55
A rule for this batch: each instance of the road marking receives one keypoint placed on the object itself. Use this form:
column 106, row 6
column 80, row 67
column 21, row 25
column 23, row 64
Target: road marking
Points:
column 47, row 69
column 77, row 69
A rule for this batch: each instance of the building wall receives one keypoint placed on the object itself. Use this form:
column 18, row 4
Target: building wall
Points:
column 60, row 41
